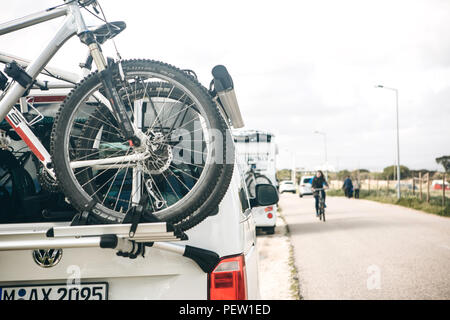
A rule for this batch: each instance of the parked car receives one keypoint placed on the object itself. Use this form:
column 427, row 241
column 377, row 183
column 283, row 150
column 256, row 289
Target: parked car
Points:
column 438, row 185
column 404, row 185
column 305, row 186
column 287, row 186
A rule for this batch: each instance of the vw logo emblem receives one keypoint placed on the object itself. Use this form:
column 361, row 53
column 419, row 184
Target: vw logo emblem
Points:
column 47, row 258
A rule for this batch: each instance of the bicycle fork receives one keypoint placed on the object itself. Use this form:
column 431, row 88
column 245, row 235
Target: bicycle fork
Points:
column 115, row 103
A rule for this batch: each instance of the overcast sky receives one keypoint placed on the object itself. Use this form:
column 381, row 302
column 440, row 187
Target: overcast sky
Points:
column 298, row 66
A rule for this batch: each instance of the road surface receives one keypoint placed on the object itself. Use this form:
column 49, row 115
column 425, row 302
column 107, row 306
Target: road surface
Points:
column 368, row 250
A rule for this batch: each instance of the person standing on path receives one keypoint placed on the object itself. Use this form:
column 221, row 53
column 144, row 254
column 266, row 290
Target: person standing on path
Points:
column 356, row 187
column 348, row 187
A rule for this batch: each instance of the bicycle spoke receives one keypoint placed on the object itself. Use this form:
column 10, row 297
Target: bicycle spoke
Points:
column 81, row 171
column 184, row 172
column 172, row 173
column 121, row 187
column 170, row 185
column 119, row 175
column 162, row 108
column 110, row 186
column 107, row 123
column 98, row 175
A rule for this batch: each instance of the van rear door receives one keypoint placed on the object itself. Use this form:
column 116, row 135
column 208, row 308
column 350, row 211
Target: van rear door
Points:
column 91, row 272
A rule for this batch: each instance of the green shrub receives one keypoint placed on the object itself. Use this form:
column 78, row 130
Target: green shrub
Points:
column 407, row 200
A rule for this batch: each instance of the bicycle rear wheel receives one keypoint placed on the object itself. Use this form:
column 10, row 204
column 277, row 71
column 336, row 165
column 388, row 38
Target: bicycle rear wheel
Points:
column 173, row 174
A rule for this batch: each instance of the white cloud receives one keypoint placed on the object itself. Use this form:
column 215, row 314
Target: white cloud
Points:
column 299, row 66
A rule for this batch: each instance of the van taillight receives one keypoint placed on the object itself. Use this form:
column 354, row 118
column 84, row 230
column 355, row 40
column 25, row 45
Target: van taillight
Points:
column 228, row 281
column 267, row 209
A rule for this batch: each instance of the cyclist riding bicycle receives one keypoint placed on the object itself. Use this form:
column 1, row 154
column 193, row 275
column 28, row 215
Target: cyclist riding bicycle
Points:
column 319, row 182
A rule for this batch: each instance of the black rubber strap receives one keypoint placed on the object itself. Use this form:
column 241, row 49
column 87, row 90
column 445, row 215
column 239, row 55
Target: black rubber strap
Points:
column 207, row 260
column 134, row 217
column 138, row 249
column 82, row 218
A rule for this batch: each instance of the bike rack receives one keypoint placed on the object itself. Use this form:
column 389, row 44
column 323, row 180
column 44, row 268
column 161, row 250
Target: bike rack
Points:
column 89, row 236
column 113, row 236
column 128, row 239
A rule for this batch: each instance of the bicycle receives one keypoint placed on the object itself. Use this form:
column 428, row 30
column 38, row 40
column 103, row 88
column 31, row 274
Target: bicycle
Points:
column 27, row 194
column 131, row 133
column 320, row 191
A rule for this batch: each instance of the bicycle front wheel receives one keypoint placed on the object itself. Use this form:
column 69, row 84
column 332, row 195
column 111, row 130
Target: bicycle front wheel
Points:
column 174, row 173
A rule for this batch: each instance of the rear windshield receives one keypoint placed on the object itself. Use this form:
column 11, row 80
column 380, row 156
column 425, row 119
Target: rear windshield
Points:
column 288, row 182
column 254, row 137
column 307, row 180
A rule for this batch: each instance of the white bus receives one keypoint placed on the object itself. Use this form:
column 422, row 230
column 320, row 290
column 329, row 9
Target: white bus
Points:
column 256, row 153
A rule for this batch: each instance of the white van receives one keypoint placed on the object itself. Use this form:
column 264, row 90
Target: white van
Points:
column 256, row 153
column 266, row 218
column 305, row 186
column 217, row 259
column 160, row 274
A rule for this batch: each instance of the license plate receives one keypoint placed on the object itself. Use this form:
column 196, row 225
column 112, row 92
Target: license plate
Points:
column 83, row 291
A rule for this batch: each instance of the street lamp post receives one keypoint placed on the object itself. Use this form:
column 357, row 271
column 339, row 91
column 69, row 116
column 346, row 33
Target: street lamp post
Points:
column 398, row 138
column 293, row 161
column 325, row 143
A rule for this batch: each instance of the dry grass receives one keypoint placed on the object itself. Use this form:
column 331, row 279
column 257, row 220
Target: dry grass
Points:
column 408, row 200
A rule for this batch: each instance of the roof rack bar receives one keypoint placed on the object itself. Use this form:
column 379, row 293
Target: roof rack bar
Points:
column 121, row 230
column 50, row 244
column 83, row 242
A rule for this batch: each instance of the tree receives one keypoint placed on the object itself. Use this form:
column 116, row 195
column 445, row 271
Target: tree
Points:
column 360, row 173
column 391, row 172
column 284, row 174
column 341, row 175
column 445, row 162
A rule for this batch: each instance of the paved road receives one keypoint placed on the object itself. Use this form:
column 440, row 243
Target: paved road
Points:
column 368, row 250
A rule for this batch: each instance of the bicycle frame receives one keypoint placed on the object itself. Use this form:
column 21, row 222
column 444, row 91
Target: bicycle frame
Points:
column 73, row 24
column 69, row 78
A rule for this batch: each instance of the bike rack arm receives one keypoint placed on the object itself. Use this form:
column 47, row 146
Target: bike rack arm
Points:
column 50, row 244
column 207, row 260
